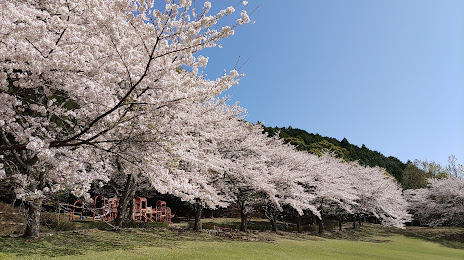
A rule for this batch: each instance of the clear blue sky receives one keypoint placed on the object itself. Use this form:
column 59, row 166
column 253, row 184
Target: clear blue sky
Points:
column 384, row 73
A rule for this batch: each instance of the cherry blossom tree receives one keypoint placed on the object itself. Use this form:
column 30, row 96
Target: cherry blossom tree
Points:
column 237, row 148
column 331, row 180
column 380, row 196
column 286, row 165
column 246, row 179
column 92, row 89
column 75, row 74
column 441, row 203
column 347, row 188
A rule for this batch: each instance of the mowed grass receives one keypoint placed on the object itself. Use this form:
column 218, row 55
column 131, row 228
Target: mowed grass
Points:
column 399, row 247
column 368, row 242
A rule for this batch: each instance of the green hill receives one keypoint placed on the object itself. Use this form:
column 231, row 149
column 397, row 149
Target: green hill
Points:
column 316, row 144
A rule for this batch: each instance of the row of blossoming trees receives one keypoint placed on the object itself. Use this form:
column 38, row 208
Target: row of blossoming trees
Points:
column 96, row 91
column 441, row 203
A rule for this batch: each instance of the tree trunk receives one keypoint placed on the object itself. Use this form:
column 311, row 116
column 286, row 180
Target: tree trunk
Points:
column 132, row 208
column 359, row 220
column 198, row 209
column 273, row 223
column 243, row 221
column 340, row 223
column 124, row 200
column 271, row 214
column 243, row 217
column 321, row 225
column 33, row 219
column 354, row 221
column 298, row 223
column 311, row 220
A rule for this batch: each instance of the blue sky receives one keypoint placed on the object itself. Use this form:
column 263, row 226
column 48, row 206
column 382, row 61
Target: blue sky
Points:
column 387, row 74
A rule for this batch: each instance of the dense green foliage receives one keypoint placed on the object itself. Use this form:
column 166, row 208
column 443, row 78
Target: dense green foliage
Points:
column 415, row 178
column 316, row 144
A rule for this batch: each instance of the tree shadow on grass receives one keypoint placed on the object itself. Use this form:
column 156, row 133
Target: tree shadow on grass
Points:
column 451, row 237
column 367, row 233
column 77, row 243
column 448, row 237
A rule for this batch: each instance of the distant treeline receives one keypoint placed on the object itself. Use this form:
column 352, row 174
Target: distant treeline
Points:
column 317, row 144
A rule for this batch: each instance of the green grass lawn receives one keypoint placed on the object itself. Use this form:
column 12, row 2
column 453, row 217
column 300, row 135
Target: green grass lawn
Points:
column 368, row 242
column 399, row 247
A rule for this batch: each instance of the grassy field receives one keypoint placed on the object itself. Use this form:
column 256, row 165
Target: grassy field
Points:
column 368, row 242
column 94, row 240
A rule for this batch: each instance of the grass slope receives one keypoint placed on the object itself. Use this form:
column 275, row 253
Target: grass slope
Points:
column 368, row 242
column 399, row 247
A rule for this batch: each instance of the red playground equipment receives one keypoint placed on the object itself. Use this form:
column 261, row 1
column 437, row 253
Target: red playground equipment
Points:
column 141, row 210
column 82, row 208
column 145, row 213
column 109, row 210
column 95, row 206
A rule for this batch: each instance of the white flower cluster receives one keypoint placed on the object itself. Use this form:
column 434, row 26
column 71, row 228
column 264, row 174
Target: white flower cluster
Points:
column 3, row 82
column 227, row 30
column 185, row 3
column 202, row 61
column 2, row 169
column 244, row 18
column 35, row 144
column 230, row 10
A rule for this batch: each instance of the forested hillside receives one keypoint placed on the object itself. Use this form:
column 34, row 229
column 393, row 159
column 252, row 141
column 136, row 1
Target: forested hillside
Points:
column 316, row 144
